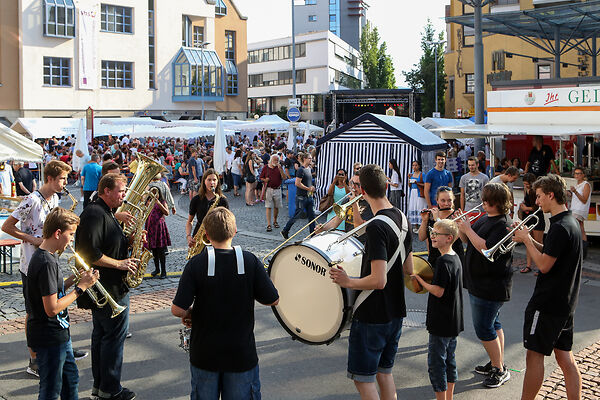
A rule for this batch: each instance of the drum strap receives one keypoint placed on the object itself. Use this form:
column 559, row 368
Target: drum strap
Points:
column 400, row 250
column 239, row 257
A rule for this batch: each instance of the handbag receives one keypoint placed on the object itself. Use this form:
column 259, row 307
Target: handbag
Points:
column 325, row 202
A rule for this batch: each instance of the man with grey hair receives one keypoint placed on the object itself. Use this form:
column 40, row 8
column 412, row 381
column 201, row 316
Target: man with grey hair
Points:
column 272, row 176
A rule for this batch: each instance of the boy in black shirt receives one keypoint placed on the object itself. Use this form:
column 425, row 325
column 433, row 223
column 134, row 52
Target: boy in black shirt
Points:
column 548, row 323
column 380, row 307
column 222, row 282
column 444, row 310
column 48, row 322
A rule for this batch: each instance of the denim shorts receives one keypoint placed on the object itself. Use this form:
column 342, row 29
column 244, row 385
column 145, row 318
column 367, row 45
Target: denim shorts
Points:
column 237, row 179
column 441, row 362
column 485, row 315
column 372, row 349
column 209, row 385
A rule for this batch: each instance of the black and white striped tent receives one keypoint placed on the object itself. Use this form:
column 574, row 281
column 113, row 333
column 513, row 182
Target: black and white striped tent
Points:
column 373, row 139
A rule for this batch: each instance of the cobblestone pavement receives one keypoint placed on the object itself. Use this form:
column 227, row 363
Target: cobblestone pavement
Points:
column 155, row 294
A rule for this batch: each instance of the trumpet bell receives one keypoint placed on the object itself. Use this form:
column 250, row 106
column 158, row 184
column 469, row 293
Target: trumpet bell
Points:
column 117, row 309
column 422, row 268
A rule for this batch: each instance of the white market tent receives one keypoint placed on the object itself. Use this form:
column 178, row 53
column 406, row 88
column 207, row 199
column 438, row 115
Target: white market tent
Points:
column 273, row 123
column 16, row 147
column 189, row 132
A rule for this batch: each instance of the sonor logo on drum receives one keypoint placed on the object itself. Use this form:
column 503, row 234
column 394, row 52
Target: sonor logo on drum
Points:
column 310, row 264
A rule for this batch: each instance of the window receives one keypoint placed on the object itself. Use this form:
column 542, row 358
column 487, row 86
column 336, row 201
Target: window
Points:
column 334, row 12
column 151, row 49
column 312, row 18
column 117, row 75
column 116, row 19
column 230, row 45
column 198, row 36
column 220, row 8
column 276, row 78
column 57, row 71
column 312, row 103
column 186, row 31
column 276, row 53
column 544, row 72
column 506, row 2
column 59, row 18
column 310, row 2
column 197, row 74
column 469, row 83
column 232, row 78
column 346, row 80
column 451, row 87
column 467, row 9
column 468, row 36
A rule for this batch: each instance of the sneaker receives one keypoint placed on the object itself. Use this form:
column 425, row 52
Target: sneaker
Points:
column 484, row 369
column 496, row 378
column 129, row 334
column 124, row 394
column 284, row 234
column 79, row 354
column 32, row 368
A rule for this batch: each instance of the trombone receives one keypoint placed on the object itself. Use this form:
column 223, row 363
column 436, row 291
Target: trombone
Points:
column 476, row 210
column 503, row 246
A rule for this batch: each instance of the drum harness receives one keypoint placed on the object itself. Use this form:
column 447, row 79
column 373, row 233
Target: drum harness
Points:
column 399, row 251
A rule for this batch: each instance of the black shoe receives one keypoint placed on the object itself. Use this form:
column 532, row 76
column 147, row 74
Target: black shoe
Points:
column 79, row 354
column 124, row 394
column 284, row 234
column 154, row 273
column 484, row 369
column 496, row 378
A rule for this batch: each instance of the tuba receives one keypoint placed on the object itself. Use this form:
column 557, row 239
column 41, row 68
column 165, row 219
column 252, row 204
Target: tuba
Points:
column 134, row 279
column 146, row 169
column 200, row 239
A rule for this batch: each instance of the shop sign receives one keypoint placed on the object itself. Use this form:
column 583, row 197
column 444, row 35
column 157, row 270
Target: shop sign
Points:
column 556, row 98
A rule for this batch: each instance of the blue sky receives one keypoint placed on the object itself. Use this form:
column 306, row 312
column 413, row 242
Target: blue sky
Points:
column 400, row 23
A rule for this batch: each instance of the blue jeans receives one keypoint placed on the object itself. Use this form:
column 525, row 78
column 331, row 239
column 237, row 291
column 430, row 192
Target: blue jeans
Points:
column 485, row 314
column 236, row 179
column 306, row 203
column 59, row 375
column 108, row 338
column 441, row 362
column 372, row 349
column 208, row 385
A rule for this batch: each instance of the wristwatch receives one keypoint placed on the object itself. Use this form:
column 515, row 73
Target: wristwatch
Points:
column 78, row 290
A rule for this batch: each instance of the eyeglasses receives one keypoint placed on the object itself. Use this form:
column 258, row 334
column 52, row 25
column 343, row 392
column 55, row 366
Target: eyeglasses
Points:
column 341, row 174
column 434, row 234
column 444, row 189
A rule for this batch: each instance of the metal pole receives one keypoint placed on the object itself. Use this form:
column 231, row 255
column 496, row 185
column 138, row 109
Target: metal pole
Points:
column 594, row 56
column 478, row 70
column 293, row 52
column 557, row 52
column 436, row 79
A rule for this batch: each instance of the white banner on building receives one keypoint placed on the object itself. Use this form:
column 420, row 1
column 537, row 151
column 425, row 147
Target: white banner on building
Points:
column 88, row 40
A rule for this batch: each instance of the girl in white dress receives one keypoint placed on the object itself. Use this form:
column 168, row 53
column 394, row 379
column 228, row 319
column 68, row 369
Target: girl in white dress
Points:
column 580, row 202
column 416, row 200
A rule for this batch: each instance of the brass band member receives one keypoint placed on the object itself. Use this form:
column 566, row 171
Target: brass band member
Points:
column 101, row 242
column 202, row 202
column 445, row 210
column 489, row 283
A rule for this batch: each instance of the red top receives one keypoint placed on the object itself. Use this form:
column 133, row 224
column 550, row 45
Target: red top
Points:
column 274, row 176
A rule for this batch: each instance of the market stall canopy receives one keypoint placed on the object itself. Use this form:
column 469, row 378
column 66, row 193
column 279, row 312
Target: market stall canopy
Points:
column 182, row 132
column 483, row 131
column 271, row 123
column 16, row 147
column 432, row 123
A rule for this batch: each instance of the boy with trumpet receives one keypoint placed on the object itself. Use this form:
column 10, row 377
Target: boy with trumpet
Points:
column 548, row 323
column 47, row 300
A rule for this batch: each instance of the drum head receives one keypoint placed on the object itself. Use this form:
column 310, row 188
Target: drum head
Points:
column 311, row 307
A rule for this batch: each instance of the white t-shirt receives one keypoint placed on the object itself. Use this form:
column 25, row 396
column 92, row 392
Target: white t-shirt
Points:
column 6, row 180
column 236, row 166
column 497, row 179
column 32, row 213
column 396, row 181
column 229, row 159
column 577, row 206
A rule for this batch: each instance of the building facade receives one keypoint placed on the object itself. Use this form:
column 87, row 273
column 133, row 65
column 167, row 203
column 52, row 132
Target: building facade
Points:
column 344, row 18
column 324, row 62
column 506, row 58
column 123, row 58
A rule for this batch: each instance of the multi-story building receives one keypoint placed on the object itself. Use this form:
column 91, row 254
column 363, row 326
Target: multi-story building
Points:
column 324, row 62
column 123, row 58
column 506, row 58
column 344, row 18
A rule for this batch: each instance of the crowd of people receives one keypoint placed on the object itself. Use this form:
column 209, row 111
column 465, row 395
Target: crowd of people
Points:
column 219, row 285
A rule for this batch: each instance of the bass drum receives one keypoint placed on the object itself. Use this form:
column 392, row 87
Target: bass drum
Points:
column 312, row 308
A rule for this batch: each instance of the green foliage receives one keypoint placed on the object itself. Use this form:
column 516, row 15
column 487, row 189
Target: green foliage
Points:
column 421, row 77
column 377, row 65
column 282, row 113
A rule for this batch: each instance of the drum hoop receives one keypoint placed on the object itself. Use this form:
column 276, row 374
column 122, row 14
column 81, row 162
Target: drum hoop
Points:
column 346, row 311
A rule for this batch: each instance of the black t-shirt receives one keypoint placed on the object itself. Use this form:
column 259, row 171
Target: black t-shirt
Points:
column 365, row 213
column 43, row 279
column 223, row 315
column 306, row 178
column 383, row 305
column 200, row 206
column 445, row 314
column 118, row 157
column 556, row 292
column 99, row 233
column 434, row 253
column 25, row 176
column 540, row 160
column 484, row 279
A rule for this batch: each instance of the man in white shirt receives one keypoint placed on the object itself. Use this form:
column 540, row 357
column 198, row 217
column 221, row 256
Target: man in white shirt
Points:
column 228, row 163
column 6, row 179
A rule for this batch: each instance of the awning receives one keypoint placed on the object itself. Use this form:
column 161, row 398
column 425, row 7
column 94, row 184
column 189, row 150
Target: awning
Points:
column 483, row 131
column 16, row 147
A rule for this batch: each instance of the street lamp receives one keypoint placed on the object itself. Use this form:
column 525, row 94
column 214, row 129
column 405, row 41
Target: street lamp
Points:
column 436, row 44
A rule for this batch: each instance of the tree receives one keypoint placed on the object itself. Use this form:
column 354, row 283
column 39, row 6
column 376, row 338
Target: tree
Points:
column 282, row 113
column 377, row 65
column 422, row 76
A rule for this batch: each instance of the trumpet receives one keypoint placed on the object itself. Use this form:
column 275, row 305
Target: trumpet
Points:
column 472, row 218
column 505, row 245
column 99, row 295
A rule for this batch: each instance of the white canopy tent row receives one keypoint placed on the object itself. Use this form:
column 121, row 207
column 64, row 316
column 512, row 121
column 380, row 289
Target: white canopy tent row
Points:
column 16, row 147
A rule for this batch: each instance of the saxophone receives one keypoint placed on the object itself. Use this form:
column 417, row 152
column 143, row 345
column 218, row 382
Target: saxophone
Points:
column 73, row 199
column 200, row 239
column 134, row 279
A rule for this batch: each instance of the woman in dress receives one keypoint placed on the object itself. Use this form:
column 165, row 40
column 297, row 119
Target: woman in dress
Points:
column 201, row 203
column 157, row 235
column 580, row 203
column 250, row 175
column 416, row 198
column 395, row 182
column 237, row 167
column 338, row 189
